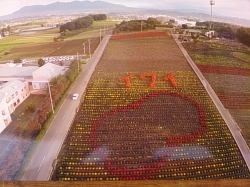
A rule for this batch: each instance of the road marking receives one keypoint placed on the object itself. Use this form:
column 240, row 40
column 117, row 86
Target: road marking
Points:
column 55, row 136
column 41, row 163
column 64, row 115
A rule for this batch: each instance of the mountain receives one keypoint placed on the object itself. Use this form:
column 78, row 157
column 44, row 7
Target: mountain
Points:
column 79, row 7
column 66, row 7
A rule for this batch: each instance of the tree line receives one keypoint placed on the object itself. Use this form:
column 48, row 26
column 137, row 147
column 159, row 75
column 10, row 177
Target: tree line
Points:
column 98, row 17
column 243, row 34
column 137, row 25
column 81, row 23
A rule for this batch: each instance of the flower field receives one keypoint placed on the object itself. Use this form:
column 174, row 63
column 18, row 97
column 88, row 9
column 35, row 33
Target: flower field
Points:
column 229, row 75
column 145, row 115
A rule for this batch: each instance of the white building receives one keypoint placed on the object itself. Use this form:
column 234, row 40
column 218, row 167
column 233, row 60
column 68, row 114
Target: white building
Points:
column 17, row 83
column 209, row 34
column 12, row 94
column 13, row 73
column 44, row 74
column 180, row 22
column 10, row 65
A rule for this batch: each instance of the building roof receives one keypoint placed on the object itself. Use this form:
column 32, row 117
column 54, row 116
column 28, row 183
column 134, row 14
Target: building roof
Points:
column 18, row 71
column 194, row 30
column 9, row 88
column 49, row 71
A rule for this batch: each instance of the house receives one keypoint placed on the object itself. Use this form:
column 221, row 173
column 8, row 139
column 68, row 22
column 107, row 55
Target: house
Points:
column 12, row 94
column 193, row 31
column 210, row 34
column 38, row 77
column 44, row 74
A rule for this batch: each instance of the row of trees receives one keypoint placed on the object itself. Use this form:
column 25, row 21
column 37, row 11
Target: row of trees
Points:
column 243, row 34
column 98, row 17
column 60, row 85
column 81, row 23
column 137, row 25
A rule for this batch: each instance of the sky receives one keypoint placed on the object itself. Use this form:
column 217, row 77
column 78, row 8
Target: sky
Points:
column 233, row 8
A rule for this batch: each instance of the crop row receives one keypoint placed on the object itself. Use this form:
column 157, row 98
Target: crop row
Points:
column 224, row 70
column 235, row 101
column 138, row 35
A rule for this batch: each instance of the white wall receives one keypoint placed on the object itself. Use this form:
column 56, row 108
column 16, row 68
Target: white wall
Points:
column 16, row 97
column 39, row 86
column 5, row 118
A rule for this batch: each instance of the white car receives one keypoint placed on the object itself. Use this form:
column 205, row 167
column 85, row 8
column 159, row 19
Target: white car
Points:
column 75, row 96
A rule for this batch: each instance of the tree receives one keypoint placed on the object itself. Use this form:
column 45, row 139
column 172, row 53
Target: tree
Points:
column 152, row 22
column 8, row 29
column 243, row 34
column 17, row 60
column 55, row 39
column 195, row 36
column 3, row 32
column 41, row 62
column 34, row 124
column 30, row 107
column 184, row 26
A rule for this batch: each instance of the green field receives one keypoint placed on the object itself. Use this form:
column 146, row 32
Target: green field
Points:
column 243, row 56
column 10, row 42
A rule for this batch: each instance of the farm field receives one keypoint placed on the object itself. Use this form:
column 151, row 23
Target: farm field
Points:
column 228, row 71
column 146, row 116
column 8, row 43
column 41, row 43
column 69, row 47
column 242, row 56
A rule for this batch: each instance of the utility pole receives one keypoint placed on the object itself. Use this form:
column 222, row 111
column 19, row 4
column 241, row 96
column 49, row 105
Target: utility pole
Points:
column 84, row 47
column 78, row 67
column 52, row 107
column 100, row 34
column 89, row 48
column 141, row 26
column 212, row 2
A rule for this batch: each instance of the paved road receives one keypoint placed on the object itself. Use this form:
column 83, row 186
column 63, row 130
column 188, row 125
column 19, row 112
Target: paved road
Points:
column 232, row 125
column 40, row 166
